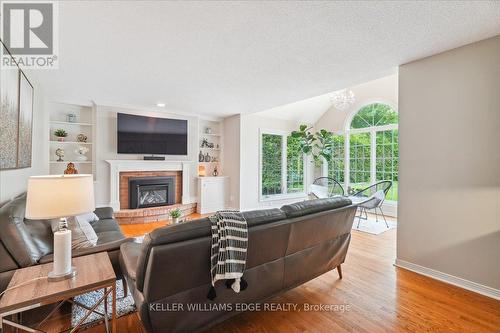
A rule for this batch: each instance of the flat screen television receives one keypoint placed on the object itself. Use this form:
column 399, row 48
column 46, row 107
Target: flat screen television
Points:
column 149, row 135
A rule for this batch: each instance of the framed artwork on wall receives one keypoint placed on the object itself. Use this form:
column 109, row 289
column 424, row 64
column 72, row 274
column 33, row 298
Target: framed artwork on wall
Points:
column 25, row 122
column 16, row 117
column 9, row 115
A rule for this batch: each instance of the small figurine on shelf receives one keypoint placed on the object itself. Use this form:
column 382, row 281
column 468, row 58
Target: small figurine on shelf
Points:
column 204, row 143
column 71, row 118
column 208, row 130
column 70, row 169
column 81, row 137
column 60, row 154
column 215, row 173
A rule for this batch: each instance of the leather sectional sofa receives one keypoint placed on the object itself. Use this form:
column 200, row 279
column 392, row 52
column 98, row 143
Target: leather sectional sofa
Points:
column 26, row 242
column 287, row 247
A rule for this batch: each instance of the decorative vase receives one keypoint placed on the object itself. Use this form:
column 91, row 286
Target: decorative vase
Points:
column 175, row 220
column 215, row 173
column 201, row 158
column 82, row 157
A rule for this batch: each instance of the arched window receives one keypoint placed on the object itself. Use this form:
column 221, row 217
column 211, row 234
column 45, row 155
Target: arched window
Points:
column 375, row 114
column 370, row 149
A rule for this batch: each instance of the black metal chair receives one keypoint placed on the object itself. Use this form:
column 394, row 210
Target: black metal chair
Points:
column 375, row 195
column 326, row 187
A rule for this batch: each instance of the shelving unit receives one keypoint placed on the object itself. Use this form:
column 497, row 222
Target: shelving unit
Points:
column 84, row 124
column 215, row 137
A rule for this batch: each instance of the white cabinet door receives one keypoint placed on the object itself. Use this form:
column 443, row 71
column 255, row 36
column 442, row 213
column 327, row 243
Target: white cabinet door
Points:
column 212, row 193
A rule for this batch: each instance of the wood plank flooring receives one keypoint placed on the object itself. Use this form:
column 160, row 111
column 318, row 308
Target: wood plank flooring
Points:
column 381, row 298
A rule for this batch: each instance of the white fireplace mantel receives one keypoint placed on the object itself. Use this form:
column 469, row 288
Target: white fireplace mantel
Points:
column 117, row 166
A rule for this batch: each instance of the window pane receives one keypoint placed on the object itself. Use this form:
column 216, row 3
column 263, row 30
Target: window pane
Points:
column 271, row 164
column 336, row 165
column 295, row 166
column 359, row 160
column 374, row 115
column 387, row 160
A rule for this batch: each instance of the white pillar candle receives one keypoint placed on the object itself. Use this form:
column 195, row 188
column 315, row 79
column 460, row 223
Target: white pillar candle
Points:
column 62, row 252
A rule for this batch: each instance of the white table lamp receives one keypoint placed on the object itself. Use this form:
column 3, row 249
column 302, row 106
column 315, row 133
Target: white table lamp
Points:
column 51, row 197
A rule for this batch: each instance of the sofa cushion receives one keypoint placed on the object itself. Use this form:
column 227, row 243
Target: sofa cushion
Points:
column 104, row 213
column 109, row 237
column 314, row 206
column 105, row 225
column 256, row 217
column 129, row 255
column 41, row 232
column 15, row 235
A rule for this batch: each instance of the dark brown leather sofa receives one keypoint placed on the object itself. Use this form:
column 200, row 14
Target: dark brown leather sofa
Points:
column 286, row 247
column 25, row 242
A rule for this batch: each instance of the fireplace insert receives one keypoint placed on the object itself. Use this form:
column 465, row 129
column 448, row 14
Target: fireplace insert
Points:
column 151, row 192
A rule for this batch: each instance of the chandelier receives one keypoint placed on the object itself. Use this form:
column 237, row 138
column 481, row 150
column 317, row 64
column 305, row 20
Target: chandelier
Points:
column 342, row 99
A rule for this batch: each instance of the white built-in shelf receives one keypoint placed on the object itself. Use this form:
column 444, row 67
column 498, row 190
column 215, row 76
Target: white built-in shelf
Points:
column 71, row 142
column 211, row 134
column 75, row 162
column 69, row 123
column 214, row 149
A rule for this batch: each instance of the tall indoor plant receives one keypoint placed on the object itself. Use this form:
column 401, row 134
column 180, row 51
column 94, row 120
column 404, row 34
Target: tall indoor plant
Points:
column 319, row 144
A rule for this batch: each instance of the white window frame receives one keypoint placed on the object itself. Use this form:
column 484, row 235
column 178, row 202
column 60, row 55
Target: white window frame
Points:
column 284, row 173
column 373, row 144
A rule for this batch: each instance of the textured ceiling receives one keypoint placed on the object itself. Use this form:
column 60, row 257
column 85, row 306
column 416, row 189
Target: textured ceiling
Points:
column 222, row 58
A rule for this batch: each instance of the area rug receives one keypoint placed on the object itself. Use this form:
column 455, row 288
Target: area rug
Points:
column 124, row 305
column 373, row 227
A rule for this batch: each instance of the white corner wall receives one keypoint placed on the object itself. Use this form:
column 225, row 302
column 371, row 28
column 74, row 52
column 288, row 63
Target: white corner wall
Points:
column 449, row 189
column 14, row 182
column 232, row 159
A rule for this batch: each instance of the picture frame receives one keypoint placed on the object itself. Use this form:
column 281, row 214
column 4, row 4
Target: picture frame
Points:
column 16, row 117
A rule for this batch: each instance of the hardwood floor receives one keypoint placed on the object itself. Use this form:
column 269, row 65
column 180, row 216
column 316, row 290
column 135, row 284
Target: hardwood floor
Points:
column 381, row 298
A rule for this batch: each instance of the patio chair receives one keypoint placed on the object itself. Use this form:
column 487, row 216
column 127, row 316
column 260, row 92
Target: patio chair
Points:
column 375, row 195
column 326, row 187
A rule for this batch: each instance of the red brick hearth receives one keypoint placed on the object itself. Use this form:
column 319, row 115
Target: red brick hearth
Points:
column 151, row 214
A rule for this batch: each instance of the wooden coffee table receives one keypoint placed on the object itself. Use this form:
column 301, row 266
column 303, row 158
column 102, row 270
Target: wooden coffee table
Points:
column 93, row 272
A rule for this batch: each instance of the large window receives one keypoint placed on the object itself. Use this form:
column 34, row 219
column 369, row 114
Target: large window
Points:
column 372, row 155
column 387, row 160
column 282, row 165
column 359, row 160
column 336, row 167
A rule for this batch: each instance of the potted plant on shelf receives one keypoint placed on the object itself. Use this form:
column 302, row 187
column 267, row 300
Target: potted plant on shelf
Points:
column 60, row 134
column 175, row 215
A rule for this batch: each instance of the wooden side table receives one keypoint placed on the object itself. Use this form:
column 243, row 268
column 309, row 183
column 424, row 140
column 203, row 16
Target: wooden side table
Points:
column 93, row 272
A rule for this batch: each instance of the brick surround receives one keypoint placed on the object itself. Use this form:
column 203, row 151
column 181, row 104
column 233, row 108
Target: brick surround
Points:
column 124, row 177
column 151, row 214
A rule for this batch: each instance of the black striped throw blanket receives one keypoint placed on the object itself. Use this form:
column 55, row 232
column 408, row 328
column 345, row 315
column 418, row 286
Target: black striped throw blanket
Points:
column 229, row 250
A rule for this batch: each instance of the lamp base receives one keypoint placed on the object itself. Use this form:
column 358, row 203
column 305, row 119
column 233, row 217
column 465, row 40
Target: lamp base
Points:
column 59, row 277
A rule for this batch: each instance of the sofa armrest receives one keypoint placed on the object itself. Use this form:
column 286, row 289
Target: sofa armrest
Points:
column 104, row 213
column 106, row 247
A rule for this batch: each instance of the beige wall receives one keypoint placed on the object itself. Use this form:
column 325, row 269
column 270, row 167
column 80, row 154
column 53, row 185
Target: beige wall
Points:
column 449, row 187
column 14, row 182
column 231, row 165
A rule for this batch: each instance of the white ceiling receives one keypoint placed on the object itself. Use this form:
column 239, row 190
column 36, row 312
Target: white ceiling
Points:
column 223, row 58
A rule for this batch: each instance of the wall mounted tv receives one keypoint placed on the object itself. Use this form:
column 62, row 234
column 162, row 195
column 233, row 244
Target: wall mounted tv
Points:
column 148, row 135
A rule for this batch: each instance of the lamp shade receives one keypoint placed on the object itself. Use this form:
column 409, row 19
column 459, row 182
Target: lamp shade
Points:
column 59, row 196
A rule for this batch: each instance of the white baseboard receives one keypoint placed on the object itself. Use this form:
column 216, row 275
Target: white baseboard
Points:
column 450, row 279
